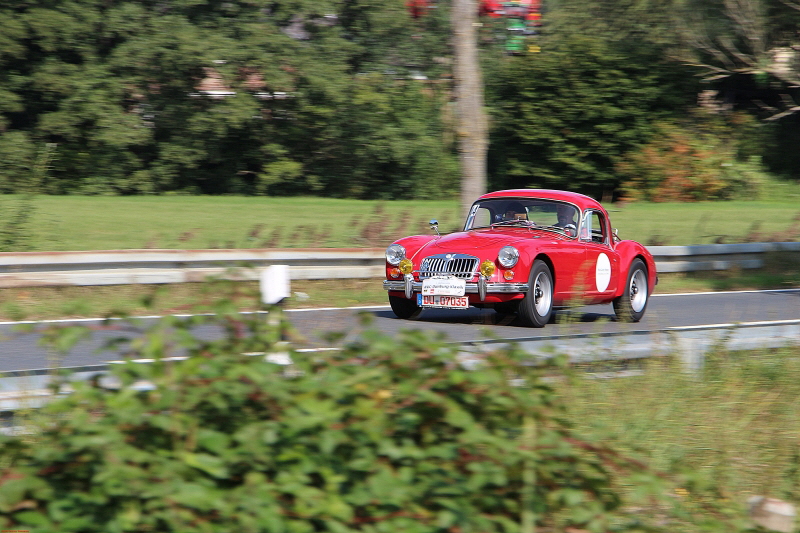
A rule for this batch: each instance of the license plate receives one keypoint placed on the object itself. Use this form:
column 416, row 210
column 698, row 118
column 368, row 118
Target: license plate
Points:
column 437, row 300
column 443, row 286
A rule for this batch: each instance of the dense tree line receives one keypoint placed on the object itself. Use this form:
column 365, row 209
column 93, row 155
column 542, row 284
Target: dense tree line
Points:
column 354, row 98
column 217, row 97
column 590, row 111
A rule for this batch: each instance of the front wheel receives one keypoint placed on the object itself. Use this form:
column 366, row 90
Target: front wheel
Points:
column 404, row 308
column 631, row 305
column 537, row 306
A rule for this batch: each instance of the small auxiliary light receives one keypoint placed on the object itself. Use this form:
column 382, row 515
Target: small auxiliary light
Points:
column 406, row 266
column 395, row 272
column 487, row 268
column 508, row 274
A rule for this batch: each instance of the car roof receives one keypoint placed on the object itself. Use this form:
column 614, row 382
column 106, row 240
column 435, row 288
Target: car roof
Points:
column 580, row 200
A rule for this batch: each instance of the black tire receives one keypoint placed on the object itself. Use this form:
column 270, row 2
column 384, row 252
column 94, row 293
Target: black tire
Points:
column 404, row 308
column 630, row 307
column 537, row 306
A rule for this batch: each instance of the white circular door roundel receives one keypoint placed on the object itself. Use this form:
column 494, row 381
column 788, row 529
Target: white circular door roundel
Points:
column 602, row 272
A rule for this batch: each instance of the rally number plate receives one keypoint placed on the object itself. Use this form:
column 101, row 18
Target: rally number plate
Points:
column 443, row 286
column 448, row 302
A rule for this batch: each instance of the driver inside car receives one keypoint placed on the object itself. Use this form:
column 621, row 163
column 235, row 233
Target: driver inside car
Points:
column 566, row 220
column 566, row 216
column 515, row 211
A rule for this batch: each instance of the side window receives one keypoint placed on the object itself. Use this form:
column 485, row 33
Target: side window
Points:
column 593, row 228
column 598, row 228
column 586, row 227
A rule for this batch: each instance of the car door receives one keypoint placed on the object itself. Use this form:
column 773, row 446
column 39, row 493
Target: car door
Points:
column 601, row 263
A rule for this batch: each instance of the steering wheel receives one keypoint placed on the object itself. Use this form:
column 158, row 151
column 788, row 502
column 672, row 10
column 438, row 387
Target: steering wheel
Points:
column 571, row 230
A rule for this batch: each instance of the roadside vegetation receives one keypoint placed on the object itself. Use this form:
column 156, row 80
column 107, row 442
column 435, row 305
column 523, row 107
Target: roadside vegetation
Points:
column 723, row 435
column 394, row 433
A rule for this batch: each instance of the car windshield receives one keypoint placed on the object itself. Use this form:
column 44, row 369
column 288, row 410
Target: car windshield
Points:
column 525, row 212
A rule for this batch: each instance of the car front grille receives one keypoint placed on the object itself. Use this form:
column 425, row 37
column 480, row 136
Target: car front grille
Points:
column 458, row 265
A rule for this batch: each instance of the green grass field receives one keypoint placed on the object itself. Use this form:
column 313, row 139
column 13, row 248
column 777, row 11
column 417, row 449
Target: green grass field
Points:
column 108, row 223
column 722, row 436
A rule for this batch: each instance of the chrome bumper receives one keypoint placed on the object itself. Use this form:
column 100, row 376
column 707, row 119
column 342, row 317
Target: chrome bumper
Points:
column 481, row 288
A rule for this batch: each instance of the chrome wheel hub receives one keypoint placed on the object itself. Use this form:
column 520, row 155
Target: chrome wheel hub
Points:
column 542, row 294
column 638, row 291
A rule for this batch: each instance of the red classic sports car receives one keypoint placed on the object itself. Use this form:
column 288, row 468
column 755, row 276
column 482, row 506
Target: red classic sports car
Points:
column 522, row 251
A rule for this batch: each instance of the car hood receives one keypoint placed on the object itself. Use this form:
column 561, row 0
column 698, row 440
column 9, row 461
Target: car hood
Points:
column 472, row 242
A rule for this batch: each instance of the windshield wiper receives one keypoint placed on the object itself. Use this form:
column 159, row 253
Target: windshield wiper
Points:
column 521, row 222
column 559, row 229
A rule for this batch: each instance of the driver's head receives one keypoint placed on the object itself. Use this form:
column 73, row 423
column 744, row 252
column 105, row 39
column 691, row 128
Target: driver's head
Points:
column 514, row 211
column 565, row 214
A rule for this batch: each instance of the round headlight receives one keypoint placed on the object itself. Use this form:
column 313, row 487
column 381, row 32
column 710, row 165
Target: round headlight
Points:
column 508, row 256
column 394, row 254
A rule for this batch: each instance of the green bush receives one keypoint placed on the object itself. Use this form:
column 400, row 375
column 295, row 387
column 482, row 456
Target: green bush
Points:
column 688, row 163
column 387, row 435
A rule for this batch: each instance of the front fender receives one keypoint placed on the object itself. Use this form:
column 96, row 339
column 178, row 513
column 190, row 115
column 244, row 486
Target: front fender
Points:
column 415, row 243
column 627, row 252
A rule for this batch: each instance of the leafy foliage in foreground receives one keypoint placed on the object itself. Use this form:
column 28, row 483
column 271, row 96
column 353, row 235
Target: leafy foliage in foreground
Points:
column 390, row 434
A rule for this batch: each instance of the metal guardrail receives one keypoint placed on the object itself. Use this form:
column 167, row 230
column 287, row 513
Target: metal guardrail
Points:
column 717, row 256
column 121, row 267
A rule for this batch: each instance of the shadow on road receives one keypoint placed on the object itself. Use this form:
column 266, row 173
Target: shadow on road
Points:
column 489, row 317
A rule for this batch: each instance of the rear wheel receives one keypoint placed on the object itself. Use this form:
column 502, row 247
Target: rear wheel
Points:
column 631, row 305
column 404, row 308
column 537, row 306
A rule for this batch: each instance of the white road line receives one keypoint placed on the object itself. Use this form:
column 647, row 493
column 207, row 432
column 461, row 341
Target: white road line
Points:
column 353, row 308
column 722, row 292
column 736, row 324
column 73, row 320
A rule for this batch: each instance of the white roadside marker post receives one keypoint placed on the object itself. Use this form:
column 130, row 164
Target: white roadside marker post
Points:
column 275, row 288
column 275, row 284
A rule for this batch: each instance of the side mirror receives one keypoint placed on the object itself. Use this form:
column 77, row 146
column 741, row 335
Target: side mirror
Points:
column 435, row 226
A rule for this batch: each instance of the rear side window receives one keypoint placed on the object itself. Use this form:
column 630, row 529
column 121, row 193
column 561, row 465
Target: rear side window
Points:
column 594, row 228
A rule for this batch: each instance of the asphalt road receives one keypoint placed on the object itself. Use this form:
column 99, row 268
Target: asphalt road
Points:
column 23, row 351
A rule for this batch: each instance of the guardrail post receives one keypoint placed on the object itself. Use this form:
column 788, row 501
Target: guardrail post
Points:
column 691, row 353
column 275, row 285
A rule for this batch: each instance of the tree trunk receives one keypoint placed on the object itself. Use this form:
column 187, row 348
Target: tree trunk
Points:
column 471, row 123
